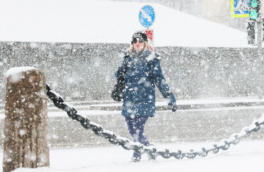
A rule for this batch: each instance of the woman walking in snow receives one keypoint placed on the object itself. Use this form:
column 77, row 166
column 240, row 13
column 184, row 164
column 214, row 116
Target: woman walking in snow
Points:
column 142, row 73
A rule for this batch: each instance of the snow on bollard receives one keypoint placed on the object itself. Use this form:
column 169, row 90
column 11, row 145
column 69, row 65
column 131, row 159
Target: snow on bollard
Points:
column 25, row 128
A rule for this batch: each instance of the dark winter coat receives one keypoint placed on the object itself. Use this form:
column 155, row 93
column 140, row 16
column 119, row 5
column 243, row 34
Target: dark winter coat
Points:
column 143, row 73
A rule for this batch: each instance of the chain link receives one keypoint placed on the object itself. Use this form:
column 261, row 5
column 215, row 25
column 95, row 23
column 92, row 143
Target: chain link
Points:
column 151, row 150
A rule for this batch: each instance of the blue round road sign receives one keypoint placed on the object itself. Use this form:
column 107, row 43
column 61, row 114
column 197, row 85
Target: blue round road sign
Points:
column 146, row 16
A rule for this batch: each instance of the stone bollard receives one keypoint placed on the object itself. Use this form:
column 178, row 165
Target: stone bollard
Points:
column 25, row 128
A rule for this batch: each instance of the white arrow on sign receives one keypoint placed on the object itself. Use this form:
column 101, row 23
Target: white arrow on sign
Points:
column 145, row 15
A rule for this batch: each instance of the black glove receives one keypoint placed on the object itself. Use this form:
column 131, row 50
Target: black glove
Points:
column 174, row 107
column 121, row 69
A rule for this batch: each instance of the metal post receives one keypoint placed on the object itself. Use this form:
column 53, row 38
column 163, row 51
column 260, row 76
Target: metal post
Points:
column 260, row 85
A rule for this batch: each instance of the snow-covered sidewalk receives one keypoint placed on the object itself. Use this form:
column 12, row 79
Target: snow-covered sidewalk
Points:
column 246, row 156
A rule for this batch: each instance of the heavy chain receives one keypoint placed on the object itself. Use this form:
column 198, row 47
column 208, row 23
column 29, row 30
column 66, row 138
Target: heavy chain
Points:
column 151, row 150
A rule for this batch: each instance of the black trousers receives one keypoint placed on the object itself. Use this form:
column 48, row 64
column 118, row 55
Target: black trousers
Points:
column 136, row 129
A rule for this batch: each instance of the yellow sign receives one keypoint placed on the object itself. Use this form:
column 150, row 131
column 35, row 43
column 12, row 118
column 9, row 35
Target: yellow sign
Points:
column 240, row 8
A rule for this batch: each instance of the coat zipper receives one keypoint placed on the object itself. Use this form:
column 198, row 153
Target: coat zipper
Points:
column 132, row 81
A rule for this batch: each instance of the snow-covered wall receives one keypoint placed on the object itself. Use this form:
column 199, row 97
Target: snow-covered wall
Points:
column 86, row 71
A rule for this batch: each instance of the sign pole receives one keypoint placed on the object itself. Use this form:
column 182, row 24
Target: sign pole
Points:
column 255, row 15
column 259, row 57
column 259, row 22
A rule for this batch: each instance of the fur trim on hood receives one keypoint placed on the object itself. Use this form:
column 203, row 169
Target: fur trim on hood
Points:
column 150, row 57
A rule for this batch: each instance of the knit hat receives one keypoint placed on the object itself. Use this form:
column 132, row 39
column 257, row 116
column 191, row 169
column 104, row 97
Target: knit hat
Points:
column 140, row 34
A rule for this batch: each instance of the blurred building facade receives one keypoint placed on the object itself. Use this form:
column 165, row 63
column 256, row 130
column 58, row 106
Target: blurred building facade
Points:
column 220, row 12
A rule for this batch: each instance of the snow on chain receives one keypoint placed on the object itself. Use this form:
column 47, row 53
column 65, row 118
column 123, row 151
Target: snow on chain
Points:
column 223, row 144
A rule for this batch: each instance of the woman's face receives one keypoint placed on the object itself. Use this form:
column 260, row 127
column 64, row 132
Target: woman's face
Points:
column 138, row 46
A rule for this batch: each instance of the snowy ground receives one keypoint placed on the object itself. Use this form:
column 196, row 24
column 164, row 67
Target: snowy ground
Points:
column 246, row 156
